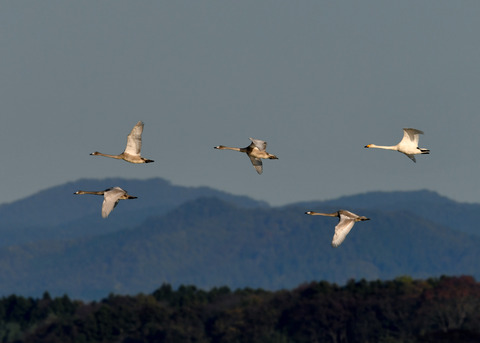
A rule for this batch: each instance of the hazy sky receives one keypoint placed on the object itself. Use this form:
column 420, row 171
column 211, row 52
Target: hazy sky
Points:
column 318, row 80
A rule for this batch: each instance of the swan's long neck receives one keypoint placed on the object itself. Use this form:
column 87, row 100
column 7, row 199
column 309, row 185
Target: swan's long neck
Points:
column 222, row 147
column 90, row 192
column 386, row 147
column 118, row 157
column 313, row 213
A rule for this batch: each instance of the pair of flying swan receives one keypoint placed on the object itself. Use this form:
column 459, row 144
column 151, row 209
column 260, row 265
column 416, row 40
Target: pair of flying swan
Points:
column 112, row 196
column 257, row 149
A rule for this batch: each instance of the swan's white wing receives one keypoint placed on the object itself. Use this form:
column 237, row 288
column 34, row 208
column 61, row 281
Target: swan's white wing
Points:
column 110, row 200
column 411, row 136
column 261, row 145
column 257, row 164
column 348, row 214
column 134, row 140
column 341, row 230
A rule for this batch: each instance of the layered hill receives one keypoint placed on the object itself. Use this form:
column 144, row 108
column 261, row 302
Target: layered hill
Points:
column 237, row 242
column 56, row 213
column 426, row 204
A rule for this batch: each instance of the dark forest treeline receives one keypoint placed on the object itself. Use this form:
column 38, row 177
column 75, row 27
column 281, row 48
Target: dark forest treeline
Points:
column 402, row 310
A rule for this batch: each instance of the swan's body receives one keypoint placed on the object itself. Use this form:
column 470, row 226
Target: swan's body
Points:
column 408, row 145
column 255, row 151
column 346, row 221
column 134, row 145
column 111, row 197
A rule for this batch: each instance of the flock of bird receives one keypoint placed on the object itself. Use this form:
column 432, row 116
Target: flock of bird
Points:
column 256, row 151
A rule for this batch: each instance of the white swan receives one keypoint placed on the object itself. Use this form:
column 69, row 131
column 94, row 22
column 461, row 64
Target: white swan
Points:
column 255, row 151
column 408, row 145
column 134, row 145
column 111, row 197
column 345, row 224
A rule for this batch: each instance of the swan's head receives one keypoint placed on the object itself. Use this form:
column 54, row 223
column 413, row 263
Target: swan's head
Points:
column 218, row 147
column 273, row 157
column 95, row 153
column 368, row 146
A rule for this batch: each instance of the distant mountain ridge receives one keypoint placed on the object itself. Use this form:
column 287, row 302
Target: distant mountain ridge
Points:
column 182, row 235
column 424, row 203
column 61, row 214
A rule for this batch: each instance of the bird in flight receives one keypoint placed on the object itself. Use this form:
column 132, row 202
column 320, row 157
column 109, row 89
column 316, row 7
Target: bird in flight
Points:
column 132, row 151
column 346, row 221
column 408, row 145
column 111, row 197
column 255, row 151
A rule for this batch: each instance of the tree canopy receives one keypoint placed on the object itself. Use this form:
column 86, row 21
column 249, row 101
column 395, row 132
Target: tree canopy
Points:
column 401, row 310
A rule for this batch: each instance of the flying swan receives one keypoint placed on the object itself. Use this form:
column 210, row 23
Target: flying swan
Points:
column 408, row 145
column 255, row 151
column 111, row 197
column 346, row 221
column 134, row 145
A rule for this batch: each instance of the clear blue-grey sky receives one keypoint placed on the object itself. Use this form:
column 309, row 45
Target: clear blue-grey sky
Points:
column 317, row 80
